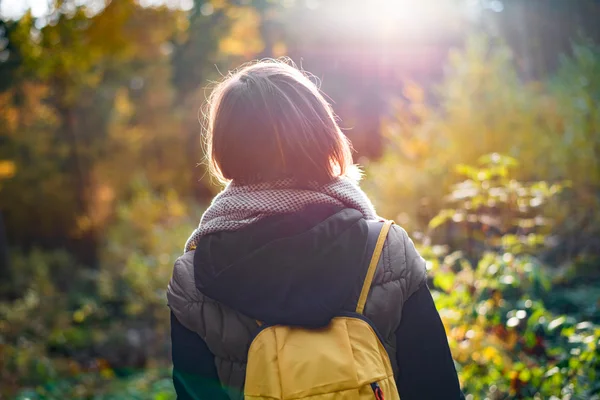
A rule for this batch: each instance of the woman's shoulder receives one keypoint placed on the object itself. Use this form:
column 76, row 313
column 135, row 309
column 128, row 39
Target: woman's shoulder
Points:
column 182, row 284
column 400, row 273
column 183, row 297
column 400, row 263
column 181, row 291
column 198, row 312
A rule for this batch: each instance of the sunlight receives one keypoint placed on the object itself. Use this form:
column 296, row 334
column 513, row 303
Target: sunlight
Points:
column 400, row 10
column 387, row 18
column 409, row 15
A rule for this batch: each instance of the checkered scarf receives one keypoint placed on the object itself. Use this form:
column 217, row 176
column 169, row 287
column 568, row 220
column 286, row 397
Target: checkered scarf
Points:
column 240, row 205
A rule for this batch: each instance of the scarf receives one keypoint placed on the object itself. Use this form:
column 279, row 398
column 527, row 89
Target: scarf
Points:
column 238, row 205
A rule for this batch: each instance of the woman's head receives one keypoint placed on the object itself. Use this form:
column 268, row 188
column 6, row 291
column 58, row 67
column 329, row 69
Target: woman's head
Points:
column 269, row 121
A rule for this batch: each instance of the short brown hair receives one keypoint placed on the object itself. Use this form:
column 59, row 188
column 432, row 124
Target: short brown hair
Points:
column 269, row 121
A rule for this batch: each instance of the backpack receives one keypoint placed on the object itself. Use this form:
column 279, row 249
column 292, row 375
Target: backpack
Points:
column 344, row 360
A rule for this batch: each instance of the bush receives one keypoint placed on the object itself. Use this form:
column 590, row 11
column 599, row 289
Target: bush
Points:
column 40, row 337
column 136, row 264
column 76, row 332
column 505, row 340
column 491, row 211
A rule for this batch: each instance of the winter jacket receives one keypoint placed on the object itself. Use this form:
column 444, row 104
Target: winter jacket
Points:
column 301, row 269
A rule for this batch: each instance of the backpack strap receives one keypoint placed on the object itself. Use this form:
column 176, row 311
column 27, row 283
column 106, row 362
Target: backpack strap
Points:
column 360, row 307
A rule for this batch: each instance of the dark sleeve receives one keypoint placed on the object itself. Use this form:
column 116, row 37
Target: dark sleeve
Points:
column 426, row 368
column 194, row 372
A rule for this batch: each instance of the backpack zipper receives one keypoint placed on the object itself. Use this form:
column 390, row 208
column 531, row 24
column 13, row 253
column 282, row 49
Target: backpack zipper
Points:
column 377, row 391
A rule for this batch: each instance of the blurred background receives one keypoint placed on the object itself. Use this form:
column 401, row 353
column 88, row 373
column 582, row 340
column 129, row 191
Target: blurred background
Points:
column 477, row 123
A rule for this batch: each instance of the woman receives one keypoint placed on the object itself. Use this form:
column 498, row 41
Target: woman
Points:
column 285, row 243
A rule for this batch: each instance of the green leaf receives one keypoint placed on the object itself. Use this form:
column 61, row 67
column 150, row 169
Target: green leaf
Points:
column 556, row 323
column 441, row 218
column 163, row 396
column 525, row 375
column 444, row 280
column 466, row 170
column 529, row 339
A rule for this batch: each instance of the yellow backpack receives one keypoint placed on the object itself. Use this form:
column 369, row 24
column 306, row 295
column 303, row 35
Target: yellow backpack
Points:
column 344, row 360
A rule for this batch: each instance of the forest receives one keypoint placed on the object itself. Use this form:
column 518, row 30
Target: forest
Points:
column 477, row 124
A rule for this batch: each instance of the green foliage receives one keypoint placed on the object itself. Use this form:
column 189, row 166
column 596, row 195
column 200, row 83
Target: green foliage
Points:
column 72, row 332
column 493, row 211
column 41, row 317
column 152, row 384
column 551, row 127
column 506, row 342
column 505, row 339
column 141, row 248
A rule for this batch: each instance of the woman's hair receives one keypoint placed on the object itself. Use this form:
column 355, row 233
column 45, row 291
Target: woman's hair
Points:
column 269, row 121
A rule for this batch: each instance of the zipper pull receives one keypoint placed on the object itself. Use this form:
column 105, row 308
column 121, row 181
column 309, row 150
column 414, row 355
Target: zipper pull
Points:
column 377, row 391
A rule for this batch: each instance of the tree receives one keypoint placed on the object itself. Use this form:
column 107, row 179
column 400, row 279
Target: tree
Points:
column 59, row 115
